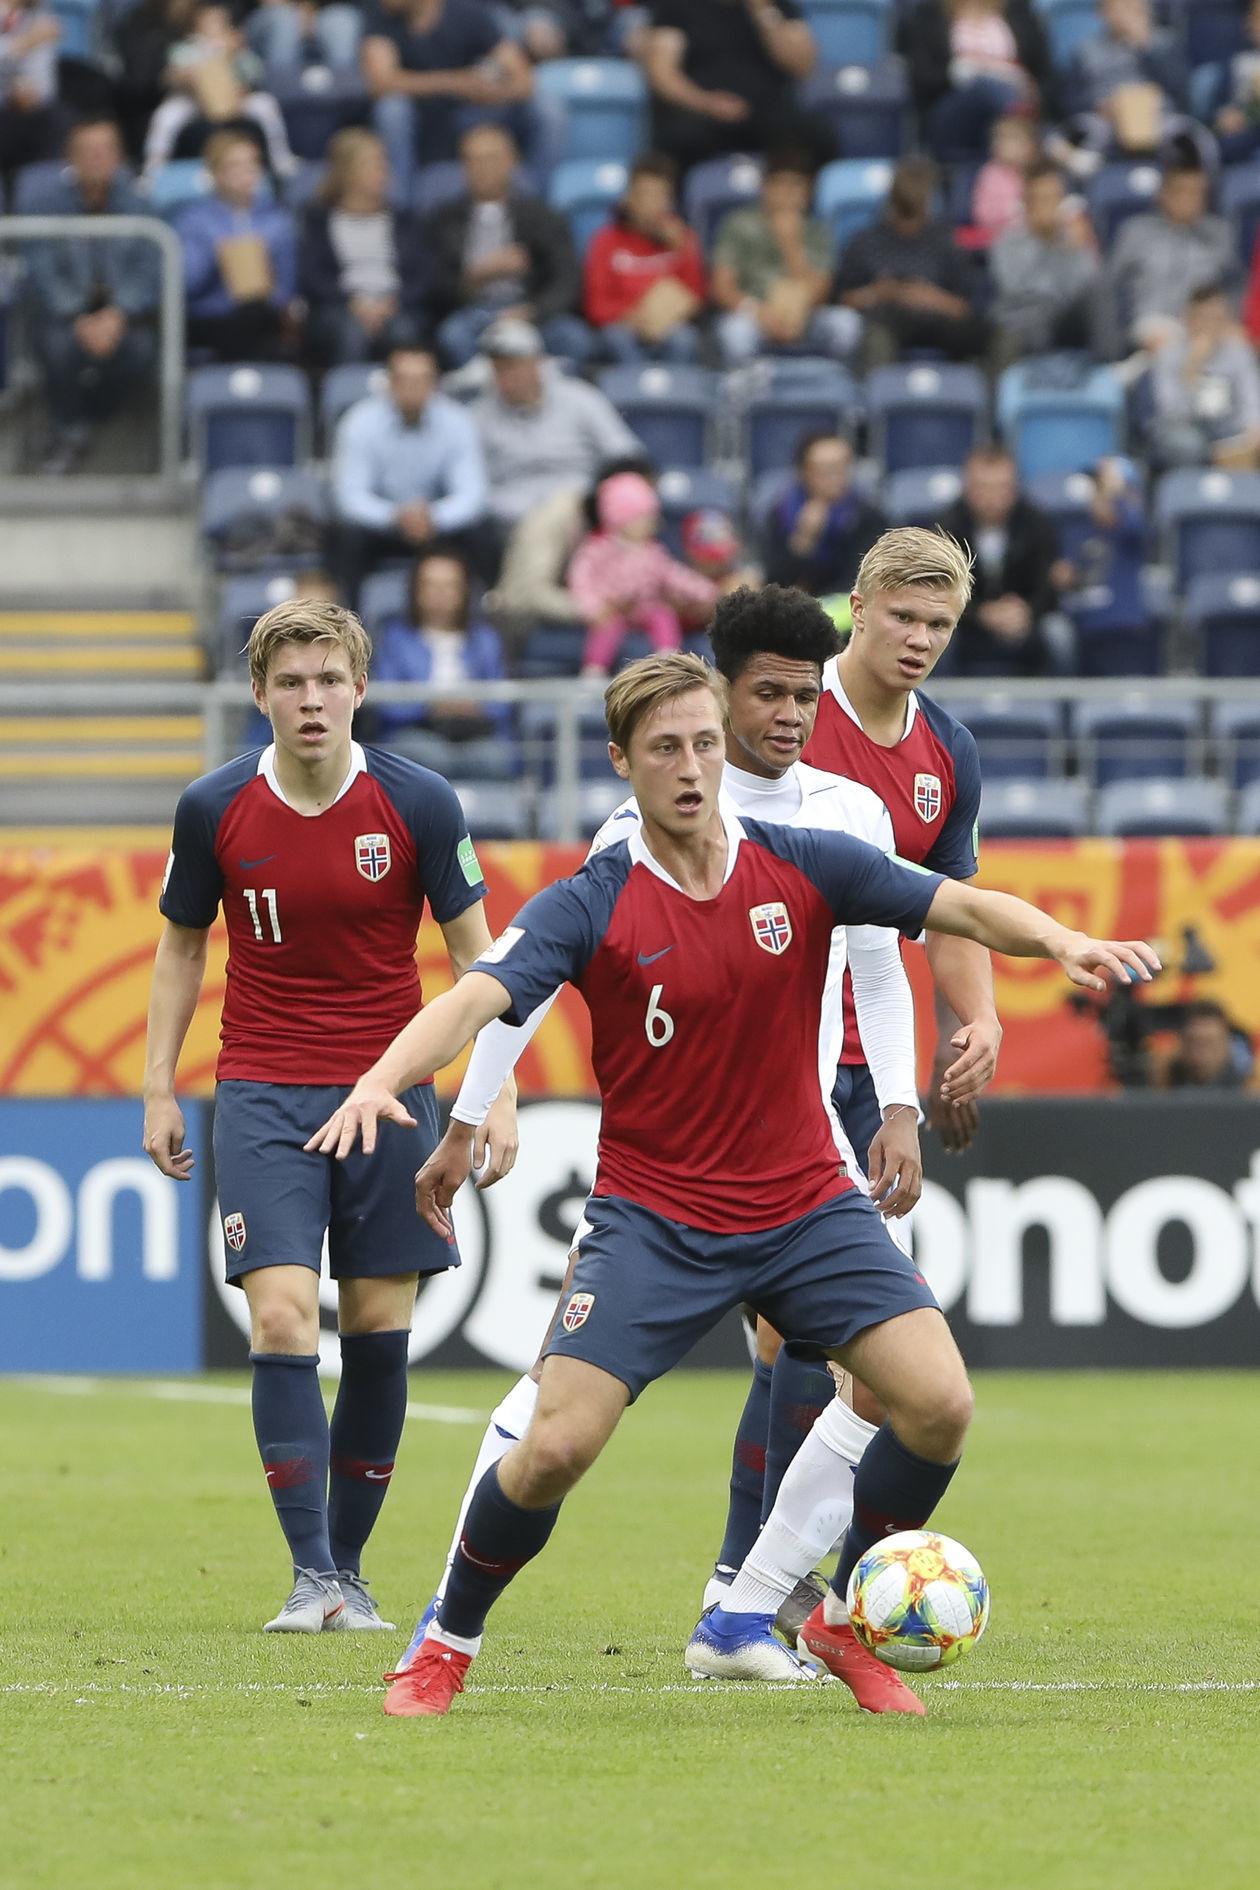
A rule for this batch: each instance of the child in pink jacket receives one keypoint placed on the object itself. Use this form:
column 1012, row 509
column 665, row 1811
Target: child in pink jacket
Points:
column 622, row 579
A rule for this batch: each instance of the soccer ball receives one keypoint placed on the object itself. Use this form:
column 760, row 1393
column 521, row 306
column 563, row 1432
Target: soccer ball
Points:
column 918, row 1600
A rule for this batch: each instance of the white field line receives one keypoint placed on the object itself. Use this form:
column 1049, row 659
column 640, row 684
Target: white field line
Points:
column 178, row 1391
column 697, row 1690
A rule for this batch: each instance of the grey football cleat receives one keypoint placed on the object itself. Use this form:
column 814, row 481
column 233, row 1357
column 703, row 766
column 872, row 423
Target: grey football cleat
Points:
column 798, row 1606
column 316, row 1603
column 360, row 1610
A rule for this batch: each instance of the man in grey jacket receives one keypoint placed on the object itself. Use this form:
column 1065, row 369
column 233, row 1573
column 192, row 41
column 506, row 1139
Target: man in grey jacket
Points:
column 92, row 303
column 1159, row 258
column 1043, row 275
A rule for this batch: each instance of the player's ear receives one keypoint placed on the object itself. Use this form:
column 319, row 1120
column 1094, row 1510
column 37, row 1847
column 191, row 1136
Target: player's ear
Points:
column 620, row 765
column 857, row 609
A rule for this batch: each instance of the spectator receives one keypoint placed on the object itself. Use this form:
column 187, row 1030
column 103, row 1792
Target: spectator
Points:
column 212, row 79
column 1160, row 257
column 431, row 65
column 905, row 276
column 359, row 265
column 284, row 33
column 1212, row 1052
column 143, row 37
column 496, row 250
column 819, row 528
column 623, row 579
column 712, row 546
column 541, row 431
column 1044, row 275
column 972, row 61
column 1104, row 599
column 772, row 269
column 1205, row 389
column 549, row 30
column 644, row 275
column 92, row 304
column 437, row 643
column 32, row 118
column 723, row 74
column 1006, row 629
column 1237, row 120
column 997, row 202
column 407, row 469
column 240, row 257
column 1129, row 76
column 531, row 582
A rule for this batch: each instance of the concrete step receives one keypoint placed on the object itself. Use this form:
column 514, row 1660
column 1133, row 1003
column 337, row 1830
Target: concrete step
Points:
column 82, row 660
column 99, row 731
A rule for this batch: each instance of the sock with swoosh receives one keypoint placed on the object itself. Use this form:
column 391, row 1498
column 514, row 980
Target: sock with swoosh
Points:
column 367, row 1423
column 291, row 1427
column 499, row 1539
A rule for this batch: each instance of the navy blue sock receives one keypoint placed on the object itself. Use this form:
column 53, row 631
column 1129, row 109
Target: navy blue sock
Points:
column 499, row 1539
column 748, row 1471
column 892, row 1489
column 798, row 1393
column 367, row 1422
column 292, row 1431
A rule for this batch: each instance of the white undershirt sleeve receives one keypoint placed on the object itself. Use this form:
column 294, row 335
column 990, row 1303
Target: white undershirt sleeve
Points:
column 495, row 1053
column 885, row 1013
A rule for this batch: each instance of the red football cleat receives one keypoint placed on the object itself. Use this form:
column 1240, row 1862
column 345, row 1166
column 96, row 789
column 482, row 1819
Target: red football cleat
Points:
column 429, row 1684
column 876, row 1688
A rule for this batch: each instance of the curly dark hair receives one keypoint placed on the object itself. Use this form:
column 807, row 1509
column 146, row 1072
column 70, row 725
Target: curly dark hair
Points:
column 775, row 621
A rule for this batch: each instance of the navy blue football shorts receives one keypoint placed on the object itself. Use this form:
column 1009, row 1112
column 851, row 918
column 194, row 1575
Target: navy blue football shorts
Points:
column 646, row 1289
column 276, row 1201
column 855, row 1102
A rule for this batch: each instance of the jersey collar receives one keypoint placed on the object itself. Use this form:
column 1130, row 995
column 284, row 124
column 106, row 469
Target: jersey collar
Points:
column 267, row 769
column 640, row 856
column 834, row 687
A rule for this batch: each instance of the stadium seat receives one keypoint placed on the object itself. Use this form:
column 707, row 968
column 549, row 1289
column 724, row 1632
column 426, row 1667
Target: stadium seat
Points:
column 317, row 103
column 538, row 724
column 495, row 810
column 1209, row 521
column 1235, row 726
column 682, row 489
column 865, row 105
column 716, row 187
column 1137, row 736
column 1034, row 810
column 242, row 601
column 925, row 415
column 248, row 416
column 1120, row 191
column 34, row 184
column 850, row 193
column 596, row 801
column 1060, row 414
column 1223, row 612
column 1247, row 809
column 853, row 32
column 383, row 595
column 919, row 495
column 551, row 650
column 1130, row 652
column 585, row 190
column 668, row 407
column 302, row 188
column 1240, row 202
column 440, row 183
column 1019, row 736
column 236, row 500
column 78, row 28
column 591, row 108
column 1213, row 29
column 179, row 182
column 1066, row 24
column 1138, row 808
column 342, row 387
column 792, row 397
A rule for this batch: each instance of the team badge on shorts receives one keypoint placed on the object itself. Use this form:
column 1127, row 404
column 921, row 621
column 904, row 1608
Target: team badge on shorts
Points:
column 771, row 926
column 372, row 855
column 234, row 1231
column 578, row 1310
column 927, row 796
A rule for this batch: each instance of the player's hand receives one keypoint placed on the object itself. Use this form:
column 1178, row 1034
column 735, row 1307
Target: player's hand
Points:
column 496, row 1142
column 962, row 1080
column 1092, row 962
column 164, row 1138
column 895, row 1166
column 368, row 1103
column 955, row 1123
column 442, row 1177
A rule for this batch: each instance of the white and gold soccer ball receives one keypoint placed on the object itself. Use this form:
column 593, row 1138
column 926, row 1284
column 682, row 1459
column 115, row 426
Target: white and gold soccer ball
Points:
column 918, row 1600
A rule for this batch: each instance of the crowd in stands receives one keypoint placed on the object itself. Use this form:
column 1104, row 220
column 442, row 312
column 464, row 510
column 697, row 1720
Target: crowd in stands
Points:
column 1055, row 206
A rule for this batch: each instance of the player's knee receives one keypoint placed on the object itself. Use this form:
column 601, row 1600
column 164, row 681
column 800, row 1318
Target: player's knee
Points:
column 941, row 1418
column 553, row 1458
column 280, row 1326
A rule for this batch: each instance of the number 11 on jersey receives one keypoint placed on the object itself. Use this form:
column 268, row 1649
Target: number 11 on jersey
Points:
column 269, row 900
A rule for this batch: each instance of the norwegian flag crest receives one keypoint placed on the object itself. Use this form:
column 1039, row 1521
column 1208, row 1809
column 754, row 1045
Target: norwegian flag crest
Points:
column 577, row 1312
column 234, row 1231
column 772, row 927
column 927, row 796
column 372, row 855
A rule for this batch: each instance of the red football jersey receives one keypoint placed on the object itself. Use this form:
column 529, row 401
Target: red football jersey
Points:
column 321, row 910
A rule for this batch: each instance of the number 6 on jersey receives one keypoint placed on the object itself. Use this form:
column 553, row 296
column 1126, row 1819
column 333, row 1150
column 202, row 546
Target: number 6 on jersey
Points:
column 658, row 1024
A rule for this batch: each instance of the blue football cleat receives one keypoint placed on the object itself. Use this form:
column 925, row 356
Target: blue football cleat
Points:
column 742, row 1647
column 413, row 1645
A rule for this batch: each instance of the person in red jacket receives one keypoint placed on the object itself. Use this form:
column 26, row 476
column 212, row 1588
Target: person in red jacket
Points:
column 644, row 279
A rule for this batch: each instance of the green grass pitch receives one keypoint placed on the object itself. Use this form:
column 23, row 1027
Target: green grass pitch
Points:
column 1105, row 1733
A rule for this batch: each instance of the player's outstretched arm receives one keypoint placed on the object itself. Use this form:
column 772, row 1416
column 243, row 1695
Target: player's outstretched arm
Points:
column 1007, row 924
column 433, row 1038
column 178, row 969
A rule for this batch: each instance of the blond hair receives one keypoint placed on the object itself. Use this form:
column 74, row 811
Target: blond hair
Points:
column 652, row 681
column 345, row 149
column 911, row 555
column 307, row 620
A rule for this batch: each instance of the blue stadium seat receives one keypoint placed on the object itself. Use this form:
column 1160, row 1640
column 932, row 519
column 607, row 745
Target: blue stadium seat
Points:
column 179, row 182
column 1213, row 29
column 34, row 185
column 382, row 595
column 495, row 810
column 1058, row 415
column 919, row 495
column 302, row 188
column 591, row 108
column 1224, row 614
column 342, row 387
column 1034, row 810
column 850, row 32
column 233, row 498
column 1247, row 811
column 585, row 190
column 925, row 415
column 1120, row 191
column 248, row 416
column 551, row 649
column 1018, row 736
column 538, row 737
column 1067, row 23
column 1137, row 736
column 1240, row 202
column 668, row 407
column 78, row 28
column 800, row 396
column 242, row 601
column 850, row 193
column 714, row 188
column 317, row 103
column 1209, row 521
column 1235, row 726
column 1136, row 809
column 596, row 801
column 866, row 107
column 683, row 489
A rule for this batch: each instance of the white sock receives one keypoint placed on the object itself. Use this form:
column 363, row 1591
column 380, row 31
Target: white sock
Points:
column 462, row 1643
column 813, row 1507
column 509, row 1422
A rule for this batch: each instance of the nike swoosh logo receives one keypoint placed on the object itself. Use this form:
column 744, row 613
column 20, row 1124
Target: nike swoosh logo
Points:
column 247, row 865
column 378, row 1476
column 650, row 958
